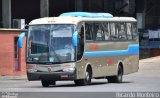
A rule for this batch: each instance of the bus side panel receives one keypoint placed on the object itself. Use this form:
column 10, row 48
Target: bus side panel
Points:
column 80, row 69
column 133, row 62
column 105, row 57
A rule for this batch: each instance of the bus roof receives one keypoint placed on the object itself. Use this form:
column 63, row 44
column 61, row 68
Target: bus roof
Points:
column 88, row 14
column 75, row 20
column 76, row 17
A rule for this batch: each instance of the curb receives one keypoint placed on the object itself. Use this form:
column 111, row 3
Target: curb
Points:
column 150, row 58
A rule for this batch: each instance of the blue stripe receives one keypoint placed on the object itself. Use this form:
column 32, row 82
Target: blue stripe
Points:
column 132, row 49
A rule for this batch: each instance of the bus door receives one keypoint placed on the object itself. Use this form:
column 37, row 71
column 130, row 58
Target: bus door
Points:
column 80, row 48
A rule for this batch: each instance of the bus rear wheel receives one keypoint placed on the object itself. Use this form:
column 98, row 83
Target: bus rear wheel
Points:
column 46, row 83
column 118, row 78
column 86, row 80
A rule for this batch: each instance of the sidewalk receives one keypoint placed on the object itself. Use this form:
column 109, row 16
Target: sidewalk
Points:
column 24, row 77
column 150, row 59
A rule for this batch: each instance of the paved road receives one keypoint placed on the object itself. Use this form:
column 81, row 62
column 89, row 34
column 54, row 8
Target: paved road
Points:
column 147, row 79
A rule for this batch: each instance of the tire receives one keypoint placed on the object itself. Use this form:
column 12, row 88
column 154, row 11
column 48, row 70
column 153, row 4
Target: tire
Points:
column 118, row 78
column 46, row 83
column 86, row 81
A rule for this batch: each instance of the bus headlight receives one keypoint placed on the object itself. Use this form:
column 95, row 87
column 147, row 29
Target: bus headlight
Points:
column 70, row 69
column 31, row 68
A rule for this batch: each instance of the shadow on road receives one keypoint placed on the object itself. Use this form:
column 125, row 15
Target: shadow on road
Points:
column 94, row 83
column 73, row 85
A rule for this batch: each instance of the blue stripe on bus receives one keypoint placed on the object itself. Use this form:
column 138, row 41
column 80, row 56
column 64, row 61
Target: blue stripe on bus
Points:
column 132, row 49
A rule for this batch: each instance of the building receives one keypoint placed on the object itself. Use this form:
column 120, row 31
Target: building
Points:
column 31, row 9
column 12, row 59
column 147, row 11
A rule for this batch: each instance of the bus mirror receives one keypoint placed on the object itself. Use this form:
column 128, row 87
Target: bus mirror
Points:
column 20, row 39
column 75, row 39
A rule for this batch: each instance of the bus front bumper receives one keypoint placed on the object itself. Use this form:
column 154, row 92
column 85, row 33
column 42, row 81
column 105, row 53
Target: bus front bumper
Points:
column 57, row 76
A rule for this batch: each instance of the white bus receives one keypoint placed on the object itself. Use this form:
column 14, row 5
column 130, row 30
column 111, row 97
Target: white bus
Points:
column 80, row 46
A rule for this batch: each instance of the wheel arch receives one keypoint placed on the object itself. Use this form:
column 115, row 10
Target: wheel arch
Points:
column 88, row 66
column 121, row 65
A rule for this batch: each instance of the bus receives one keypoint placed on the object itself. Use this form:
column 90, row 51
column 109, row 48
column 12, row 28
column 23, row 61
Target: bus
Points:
column 80, row 46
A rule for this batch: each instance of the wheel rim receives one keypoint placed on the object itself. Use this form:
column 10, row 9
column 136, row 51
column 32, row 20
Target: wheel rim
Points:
column 120, row 74
column 87, row 76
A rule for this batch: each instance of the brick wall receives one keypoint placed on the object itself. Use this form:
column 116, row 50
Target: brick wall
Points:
column 7, row 60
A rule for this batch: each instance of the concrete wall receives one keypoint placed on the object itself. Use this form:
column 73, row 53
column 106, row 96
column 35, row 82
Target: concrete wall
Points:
column 7, row 60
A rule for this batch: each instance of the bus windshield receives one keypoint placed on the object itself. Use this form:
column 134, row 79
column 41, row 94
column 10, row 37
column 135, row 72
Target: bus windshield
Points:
column 51, row 43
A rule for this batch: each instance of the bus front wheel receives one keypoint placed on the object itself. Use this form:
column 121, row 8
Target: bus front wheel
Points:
column 46, row 83
column 86, row 81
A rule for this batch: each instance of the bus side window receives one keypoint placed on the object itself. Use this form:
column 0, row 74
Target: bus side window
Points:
column 99, row 35
column 134, row 31
column 106, row 31
column 114, row 33
column 129, row 32
column 122, row 31
column 89, row 31
column 99, row 32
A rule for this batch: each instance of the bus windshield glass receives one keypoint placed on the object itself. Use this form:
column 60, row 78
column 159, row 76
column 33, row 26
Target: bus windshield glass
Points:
column 51, row 43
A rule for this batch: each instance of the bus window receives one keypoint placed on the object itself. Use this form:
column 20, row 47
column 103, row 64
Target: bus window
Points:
column 89, row 31
column 106, row 31
column 114, row 34
column 38, row 39
column 129, row 32
column 134, row 32
column 99, row 32
column 122, row 31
